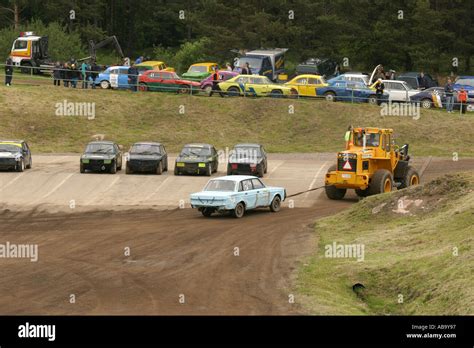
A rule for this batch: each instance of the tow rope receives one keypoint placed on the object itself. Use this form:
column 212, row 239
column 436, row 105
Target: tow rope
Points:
column 300, row 193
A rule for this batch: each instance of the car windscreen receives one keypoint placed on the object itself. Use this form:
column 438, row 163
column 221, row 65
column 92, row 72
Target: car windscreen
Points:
column 255, row 63
column 145, row 149
column 197, row 69
column 466, row 82
column 100, row 148
column 246, row 152
column 9, row 148
column 195, row 151
column 412, row 81
column 220, row 185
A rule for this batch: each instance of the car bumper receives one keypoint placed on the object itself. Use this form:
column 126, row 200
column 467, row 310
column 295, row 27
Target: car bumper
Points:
column 7, row 163
column 244, row 169
column 192, row 168
column 142, row 166
column 97, row 166
column 348, row 180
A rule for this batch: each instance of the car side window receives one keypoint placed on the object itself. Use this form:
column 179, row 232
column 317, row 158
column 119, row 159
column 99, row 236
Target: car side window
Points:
column 165, row 76
column 257, row 184
column 302, row 81
column 116, row 148
column 245, row 185
column 114, row 71
column 163, row 150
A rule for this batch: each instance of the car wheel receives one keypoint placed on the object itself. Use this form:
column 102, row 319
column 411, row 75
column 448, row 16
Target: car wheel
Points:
column 233, row 92
column 142, row 87
column 159, row 168
column 128, row 170
column 207, row 212
column 426, row 103
column 260, row 171
column 209, row 169
column 372, row 100
column 266, row 169
column 20, row 166
column 330, row 96
column 184, row 89
column 82, row 169
column 30, row 164
column 113, row 168
column 239, row 210
column 276, row 204
column 276, row 93
column 104, row 84
column 208, row 90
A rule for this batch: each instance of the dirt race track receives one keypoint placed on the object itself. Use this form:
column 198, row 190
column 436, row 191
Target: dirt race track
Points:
column 173, row 251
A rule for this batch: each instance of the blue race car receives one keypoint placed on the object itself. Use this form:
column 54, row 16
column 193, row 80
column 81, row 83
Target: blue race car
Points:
column 350, row 91
column 430, row 97
column 236, row 194
column 113, row 77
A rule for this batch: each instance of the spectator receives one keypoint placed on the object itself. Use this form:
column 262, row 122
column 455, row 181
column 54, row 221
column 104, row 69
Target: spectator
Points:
column 247, row 65
column 215, row 83
column 74, row 75
column 245, row 70
column 449, row 91
column 379, row 87
column 66, row 74
column 422, row 83
column 57, row 74
column 94, row 73
column 228, row 67
column 337, row 70
column 84, row 74
column 8, row 71
column 348, row 137
column 462, row 99
column 139, row 60
column 133, row 77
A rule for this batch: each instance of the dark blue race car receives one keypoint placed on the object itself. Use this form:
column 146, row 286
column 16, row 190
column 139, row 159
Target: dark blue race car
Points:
column 350, row 91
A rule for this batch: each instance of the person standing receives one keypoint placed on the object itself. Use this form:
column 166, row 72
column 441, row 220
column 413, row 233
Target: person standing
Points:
column 379, row 87
column 462, row 99
column 133, row 77
column 94, row 73
column 228, row 67
column 84, row 72
column 449, row 91
column 215, row 83
column 8, row 71
column 348, row 137
column 74, row 72
column 57, row 74
column 244, row 70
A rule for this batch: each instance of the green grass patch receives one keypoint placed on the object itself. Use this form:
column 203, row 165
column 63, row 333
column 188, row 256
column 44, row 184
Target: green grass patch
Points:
column 417, row 263
column 315, row 126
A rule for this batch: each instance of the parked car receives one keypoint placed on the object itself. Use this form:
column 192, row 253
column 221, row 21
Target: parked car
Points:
column 399, row 91
column 199, row 71
column 15, row 155
column 113, row 77
column 166, row 81
column 468, row 83
column 350, row 77
column 350, row 91
column 430, row 97
column 414, row 80
column 147, row 157
column 255, row 85
column 247, row 159
column 237, row 194
column 197, row 159
column 306, row 85
column 152, row 65
column 206, row 84
column 101, row 156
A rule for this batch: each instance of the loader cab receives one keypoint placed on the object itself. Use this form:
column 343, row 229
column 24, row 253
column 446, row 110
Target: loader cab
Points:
column 379, row 142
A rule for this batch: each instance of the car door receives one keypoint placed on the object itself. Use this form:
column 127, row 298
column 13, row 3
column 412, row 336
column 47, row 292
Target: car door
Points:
column 114, row 78
column 118, row 155
column 123, row 78
column 301, row 85
column 263, row 194
column 165, row 156
column 215, row 159
column 26, row 154
column 249, row 195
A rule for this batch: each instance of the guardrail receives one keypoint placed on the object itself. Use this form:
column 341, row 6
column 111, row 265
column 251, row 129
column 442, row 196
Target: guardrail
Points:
column 91, row 82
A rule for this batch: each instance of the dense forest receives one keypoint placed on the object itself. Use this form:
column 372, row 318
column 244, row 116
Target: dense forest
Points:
column 405, row 35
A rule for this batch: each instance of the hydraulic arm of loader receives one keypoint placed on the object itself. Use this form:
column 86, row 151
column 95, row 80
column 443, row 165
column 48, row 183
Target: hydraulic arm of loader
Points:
column 93, row 47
